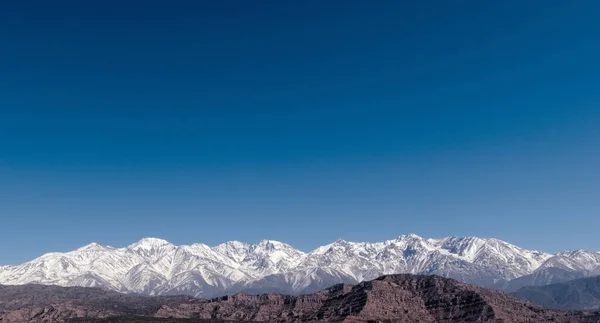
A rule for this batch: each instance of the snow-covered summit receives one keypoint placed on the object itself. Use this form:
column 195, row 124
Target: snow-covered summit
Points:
column 150, row 243
column 93, row 246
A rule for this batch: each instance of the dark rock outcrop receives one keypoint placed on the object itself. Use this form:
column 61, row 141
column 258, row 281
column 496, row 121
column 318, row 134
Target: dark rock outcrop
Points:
column 393, row 298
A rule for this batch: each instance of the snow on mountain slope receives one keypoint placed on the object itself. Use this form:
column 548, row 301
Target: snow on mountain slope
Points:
column 156, row 267
column 588, row 260
column 486, row 262
column 583, row 261
column 264, row 258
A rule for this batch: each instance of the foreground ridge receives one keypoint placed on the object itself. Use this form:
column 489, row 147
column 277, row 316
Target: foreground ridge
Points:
column 390, row 298
column 154, row 266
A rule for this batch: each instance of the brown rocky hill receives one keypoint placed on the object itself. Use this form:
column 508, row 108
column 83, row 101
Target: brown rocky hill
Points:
column 42, row 303
column 392, row 298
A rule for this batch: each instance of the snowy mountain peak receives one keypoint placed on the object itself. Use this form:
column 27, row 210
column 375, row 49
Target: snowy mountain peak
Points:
column 413, row 242
column 270, row 244
column 578, row 252
column 234, row 244
column 152, row 248
column 92, row 246
column 410, row 236
column 339, row 244
column 148, row 243
column 200, row 246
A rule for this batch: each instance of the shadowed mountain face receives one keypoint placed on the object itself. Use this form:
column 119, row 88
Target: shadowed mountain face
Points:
column 581, row 294
column 392, row 298
column 541, row 277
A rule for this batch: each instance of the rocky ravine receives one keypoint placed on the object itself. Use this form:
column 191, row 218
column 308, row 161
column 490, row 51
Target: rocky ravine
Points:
column 392, row 298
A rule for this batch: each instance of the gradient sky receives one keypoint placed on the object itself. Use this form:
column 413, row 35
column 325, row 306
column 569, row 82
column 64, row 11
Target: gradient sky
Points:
column 299, row 121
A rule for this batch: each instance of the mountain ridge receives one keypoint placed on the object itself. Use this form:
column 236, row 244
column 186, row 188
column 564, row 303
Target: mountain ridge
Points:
column 153, row 266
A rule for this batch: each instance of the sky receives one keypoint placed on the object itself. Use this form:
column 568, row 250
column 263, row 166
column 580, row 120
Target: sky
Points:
column 298, row 121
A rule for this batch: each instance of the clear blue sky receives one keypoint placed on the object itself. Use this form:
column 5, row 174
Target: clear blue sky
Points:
column 300, row 121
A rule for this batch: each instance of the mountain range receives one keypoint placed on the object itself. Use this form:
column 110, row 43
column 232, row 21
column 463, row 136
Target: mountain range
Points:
column 153, row 266
column 390, row 298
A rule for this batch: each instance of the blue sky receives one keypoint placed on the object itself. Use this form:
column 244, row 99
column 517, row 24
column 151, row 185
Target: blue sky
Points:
column 304, row 122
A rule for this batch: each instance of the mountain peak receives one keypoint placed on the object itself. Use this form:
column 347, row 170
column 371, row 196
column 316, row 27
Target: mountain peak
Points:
column 150, row 243
column 233, row 244
column 410, row 236
column 92, row 246
column 267, row 241
column 271, row 244
column 575, row 252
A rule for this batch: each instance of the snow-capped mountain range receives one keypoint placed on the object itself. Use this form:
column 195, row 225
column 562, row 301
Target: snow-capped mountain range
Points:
column 156, row 267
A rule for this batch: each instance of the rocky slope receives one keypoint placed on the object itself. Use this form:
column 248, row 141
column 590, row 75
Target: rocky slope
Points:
column 156, row 267
column 33, row 303
column 391, row 298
